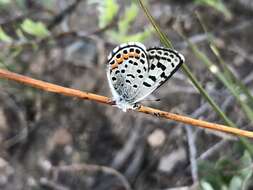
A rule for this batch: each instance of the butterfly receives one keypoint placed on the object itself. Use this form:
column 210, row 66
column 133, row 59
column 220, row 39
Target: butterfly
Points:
column 134, row 72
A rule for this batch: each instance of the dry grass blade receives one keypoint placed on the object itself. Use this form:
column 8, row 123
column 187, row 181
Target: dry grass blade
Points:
column 105, row 100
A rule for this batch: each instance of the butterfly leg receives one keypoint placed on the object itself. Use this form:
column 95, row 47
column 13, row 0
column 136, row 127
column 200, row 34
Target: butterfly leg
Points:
column 136, row 106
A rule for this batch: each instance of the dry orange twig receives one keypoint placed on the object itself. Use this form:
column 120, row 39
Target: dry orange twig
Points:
column 105, row 100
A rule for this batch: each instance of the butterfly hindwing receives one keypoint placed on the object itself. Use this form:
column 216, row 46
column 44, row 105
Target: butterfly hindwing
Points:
column 163, row 64
column 127, row 69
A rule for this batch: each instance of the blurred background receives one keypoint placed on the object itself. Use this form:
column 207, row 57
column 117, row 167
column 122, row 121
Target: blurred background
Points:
column 54, row 142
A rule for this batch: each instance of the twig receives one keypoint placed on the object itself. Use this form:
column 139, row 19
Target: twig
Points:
column 93, row 168
column 50, row 184
column 58, row 18
column 213, row 149
column 105, row 100
column 193, row 153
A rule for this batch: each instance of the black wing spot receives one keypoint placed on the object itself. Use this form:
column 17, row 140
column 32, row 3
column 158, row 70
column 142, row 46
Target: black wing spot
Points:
column 137, row 57
column 142, row 61
column 138, row 71
column 130, row 75
column 130, row 61
column 125, row 51
column 153, row 78
column 135, row 63
column 171, row 55
column 145, row 69
column 166, row 53
column 157, row 57
column 112, row 62
column 141, row 76
column 128, row 81
column 131, row 50
column 159, row 52
column 123, row 71
column 113, row 78
column 135, row 86
column 143, row 55
column 122, row 84
column 163, row 75
column 169, row 60
column 117, row 72
column 160, row 65
column 146, row 84
column 126, row 66
column 152, row 67
column 151, row 57
column 152, row 52
column 118, row 56
column 137, row 51
column 172, row 64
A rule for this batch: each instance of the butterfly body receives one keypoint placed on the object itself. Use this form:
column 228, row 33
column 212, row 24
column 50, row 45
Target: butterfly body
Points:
column 134, row 72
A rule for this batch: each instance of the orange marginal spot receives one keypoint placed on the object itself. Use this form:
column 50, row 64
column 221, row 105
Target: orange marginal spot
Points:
column 120, row 60
column 137, row 55
column 131, row 54
column 125, row 56
column 114, row 66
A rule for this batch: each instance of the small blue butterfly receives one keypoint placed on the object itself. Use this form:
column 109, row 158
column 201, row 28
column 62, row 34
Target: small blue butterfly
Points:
column 134, row 72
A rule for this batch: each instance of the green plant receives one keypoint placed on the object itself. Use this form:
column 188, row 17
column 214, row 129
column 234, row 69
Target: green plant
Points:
column 226, row 174
column 29, row 33
column 108, row 13
column 4, row 37
column 3, row 3
column 36, row 29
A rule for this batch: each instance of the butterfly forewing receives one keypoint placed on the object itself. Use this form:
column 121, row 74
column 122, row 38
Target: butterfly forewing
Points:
column 163, row 63
column 127, row 69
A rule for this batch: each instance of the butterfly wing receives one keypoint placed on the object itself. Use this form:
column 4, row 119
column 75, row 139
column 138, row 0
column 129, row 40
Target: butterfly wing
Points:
column 163, row 64
column 127, row 68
